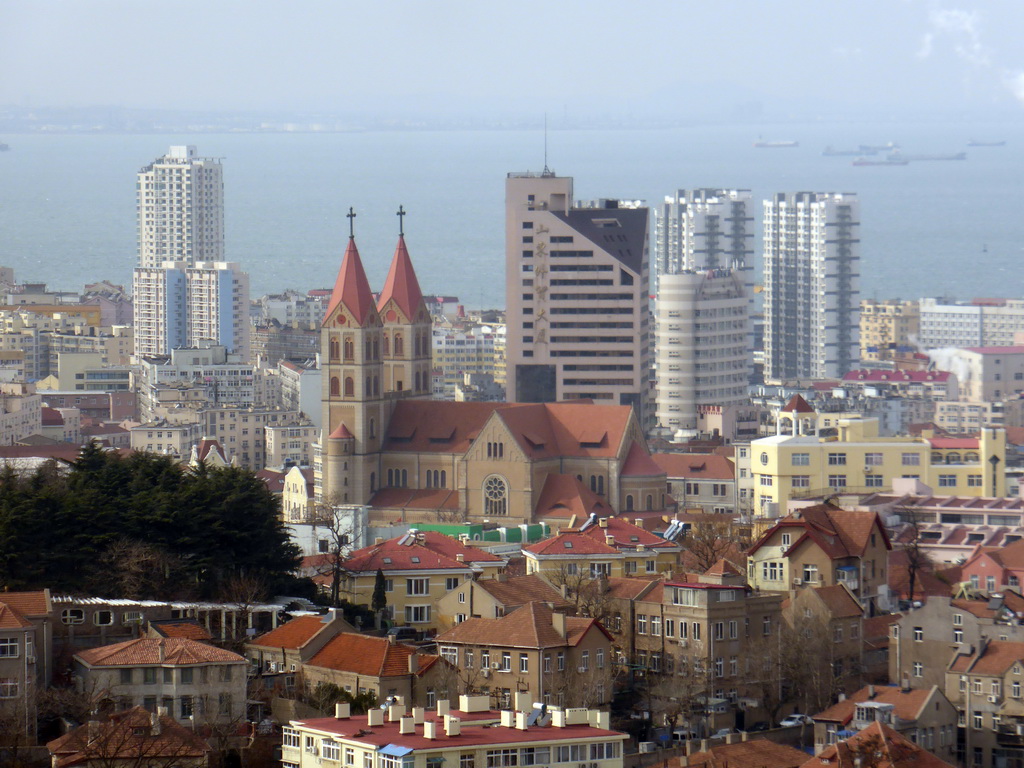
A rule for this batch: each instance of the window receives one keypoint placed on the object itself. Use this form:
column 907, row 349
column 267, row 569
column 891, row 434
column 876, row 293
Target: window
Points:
column 599, row 658
column 918, row 634
column 450, row 583
column 837, row 481
column 289, row 736
column 468, row 656
column 8, row 688
column 8, row 647
column 947, row 481
column 501, row 758
column 974, row 481
column 330, row 749
column 670, row 627
column 873, row 459
column 417, row 614
column 560, row 661
column 417, row 586
column 766, row 626
column 126, row 676
column 873, row 481
column 800, row 481
column 103, row 618
column 734, row 629
column 186, row 676
column 910, row 459
column 990, row 583
column 837, row 459
column 72, row 616
column 585, row 661
column 495, row 496
column 641, row 624
column 801, row 459
column 149, row 675
column 765, row 481
column 524, row 662
column 655, row 626
column 506, row 661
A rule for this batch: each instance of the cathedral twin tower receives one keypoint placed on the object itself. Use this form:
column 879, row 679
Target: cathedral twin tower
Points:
column 373, row 354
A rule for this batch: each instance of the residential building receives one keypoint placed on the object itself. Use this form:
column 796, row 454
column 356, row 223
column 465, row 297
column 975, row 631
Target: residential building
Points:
column 99, row 406
column 63, row 425
column 704, row 229
column 938, row 385
column 272, row 343
column 576, row 287
column 242, row 430
column 26, row 641
column 20, row 413
column 290, row 443
column 981, row 322
column 180, row 199
column 811, row 285
column 805, row 458
column 984, row 683
column 496, row 597
column 986, row 374
column 178, row 304
column 888, row 329
column 922, row 641
column 293, row 309
column 704, row 481
column 701, row 346
column 132, row 737
column 887, row 749
column 301, row 389
column 419, row 568
column 755, row 753
column 298, row 500
column 163, row 437
column 703, row 635
column 187, row 677
column 995, row 567
column 450, row 737
column 834, row 615
column 113, row 344
column 460, row 347
column 359, row 664
column 284, row 650
column 564, row 661
column 824, row 545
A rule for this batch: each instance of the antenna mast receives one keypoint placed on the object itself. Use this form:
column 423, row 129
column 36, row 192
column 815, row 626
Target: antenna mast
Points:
column 546, row 171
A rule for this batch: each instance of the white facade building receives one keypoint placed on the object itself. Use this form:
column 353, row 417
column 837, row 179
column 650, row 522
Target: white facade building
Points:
column 979, row 323
column 181, row 209
column 811, row 285
column 701, row 351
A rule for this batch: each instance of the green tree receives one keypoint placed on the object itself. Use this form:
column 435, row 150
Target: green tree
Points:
column 379, row 600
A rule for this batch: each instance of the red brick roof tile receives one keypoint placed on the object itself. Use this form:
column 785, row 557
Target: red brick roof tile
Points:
column 366, row 655
column 147, row 650
column 423, row 550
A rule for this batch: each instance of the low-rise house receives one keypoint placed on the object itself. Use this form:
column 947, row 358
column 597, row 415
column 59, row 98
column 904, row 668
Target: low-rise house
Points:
column 130, row 738
column 835, row 612
column 419, row 568
column 360, row 664
column 823, row 545
column 469, row 736
column 879, row 746
column 493, row 598
column 755, row 753
column 186, row 677
column 923, row 715
column 995, row 568
column 24, row 635
column 704, row 481
column 283, row 651
column 566, row 661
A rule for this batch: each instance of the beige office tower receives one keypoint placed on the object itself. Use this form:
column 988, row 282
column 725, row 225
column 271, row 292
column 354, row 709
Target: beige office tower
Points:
column 701, row 349
column 576, row 288
column 180, row 199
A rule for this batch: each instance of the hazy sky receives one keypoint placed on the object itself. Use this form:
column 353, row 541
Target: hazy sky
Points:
column 599, row 57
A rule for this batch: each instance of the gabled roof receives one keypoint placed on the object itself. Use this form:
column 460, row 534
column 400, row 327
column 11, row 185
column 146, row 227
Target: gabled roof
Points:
column 699, row 466
column 639, row 463
column 626, row 534
column 291, row 635
column 28, row 604
column 996, row 657
column 896, row 751
column 11, row 619
column 907, row 704
column 436, row 426
column 128, row 736
column 147, row 650
column 569, row 544
column 797, row 404
column 756, row 753
column 351, row 287
column 422, row 550
column 520, row 590
column 187, row 628
column 366, row 655
column 401, row 284
column 838, row 532
column 530, row 626
column 722, row 568
column 839, row 602
column 565, row 496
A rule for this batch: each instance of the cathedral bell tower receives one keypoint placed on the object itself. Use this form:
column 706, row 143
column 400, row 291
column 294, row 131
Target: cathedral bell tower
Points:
column 352, row 378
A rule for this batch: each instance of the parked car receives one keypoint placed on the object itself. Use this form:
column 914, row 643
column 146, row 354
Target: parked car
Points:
column 760, row 725
column 404, row 634
column 684, row 733
column 795, row 719
column 721, row 733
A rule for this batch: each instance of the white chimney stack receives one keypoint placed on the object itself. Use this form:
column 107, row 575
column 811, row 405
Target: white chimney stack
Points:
column 406, row 726
column 453, row 726
column 374, row 717
column 342, row 710
column 429, row 730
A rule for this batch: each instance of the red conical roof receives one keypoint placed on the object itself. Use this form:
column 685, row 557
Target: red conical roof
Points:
column 402, row 285
column 340, row 433
column 797, row 404
column 351, row 288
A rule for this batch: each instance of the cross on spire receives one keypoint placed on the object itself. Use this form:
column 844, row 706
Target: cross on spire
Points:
column 351, row 216
column 401, row 221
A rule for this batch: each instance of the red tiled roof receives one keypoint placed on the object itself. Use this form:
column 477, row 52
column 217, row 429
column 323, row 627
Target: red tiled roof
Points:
column 11, row 619
column 424, row 550
column 574, row 543
column 897, row 751
column 28, row 604
column 953, row 442
column 565, row 496
column 351, row 288
column 639, row 463
column 520, row 590
column 797, row 404
column 51, row 417
column 128, row 737
column 530, row 626
column 756, row 753
column 998, row 656
column 340, row 433
column 883, row 375
column 366, row 655
column 838, row 532
column 839, row 602
column 722, row 568
column 627, row 534
column 401, row 284
column 292, row 634
column 695, row 465
column 190, row 629
column 147, row 650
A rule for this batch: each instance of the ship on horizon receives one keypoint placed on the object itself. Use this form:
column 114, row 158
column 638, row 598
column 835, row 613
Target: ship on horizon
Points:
column 762, row 144
column 977, row 143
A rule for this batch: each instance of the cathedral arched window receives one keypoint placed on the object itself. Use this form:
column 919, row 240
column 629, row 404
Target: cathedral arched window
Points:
column 369, row 387
column 376, row 349
column 350, row 349
column 373, row 428
column 650, row 502
column 335, row 386
column 376, row 386
column 495, row 495
column 629, row 503
column 398, row 344
column 335, row 353
column 387, row 345
column 373, row 482
column 350, row 387
column 444, row 479
column 416, row 385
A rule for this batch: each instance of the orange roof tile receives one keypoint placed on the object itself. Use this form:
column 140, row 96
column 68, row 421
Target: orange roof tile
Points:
column 530, row 626
column 698, row 466
column 365, row 655
column 340, row 432
column 292, row 634
column 351, row 288
column 565, row 496
column 29, row 604
column 907, row 704
column 520, row 590
column 997, row 657
column 839, row 602
column 147, row 650
column 639, row 463
column 797, row 404
column 627, row 534
column 722, row 568
column 567, row 544
column 11, row 619
column 401, row 284
column 424, row 550
column 897, row 751
column 187, row 628
column 756, row 753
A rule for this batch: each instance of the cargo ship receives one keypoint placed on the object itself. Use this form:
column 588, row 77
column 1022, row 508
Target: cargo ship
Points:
column 881, row 161
column 976, row 143
column 870, row 149
column 948, row 156
column 775, row 144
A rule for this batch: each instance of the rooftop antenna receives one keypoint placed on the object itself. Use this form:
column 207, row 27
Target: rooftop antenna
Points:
column 546, row 170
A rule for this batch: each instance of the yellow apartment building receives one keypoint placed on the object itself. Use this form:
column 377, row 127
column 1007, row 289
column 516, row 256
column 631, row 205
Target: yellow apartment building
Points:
column 804, row 459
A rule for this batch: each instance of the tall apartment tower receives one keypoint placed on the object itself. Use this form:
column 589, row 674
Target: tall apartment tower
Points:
column 576, row 291
column 181, row 209
column 811, row 285
column 184, row 291
column 699, row 229
column 701, row 352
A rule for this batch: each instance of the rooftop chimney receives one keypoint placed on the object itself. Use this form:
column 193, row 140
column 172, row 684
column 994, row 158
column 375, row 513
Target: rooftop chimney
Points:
column 558, row 718
column 871, row 691
column 638, row 522
column 374, row 717
column 94, row 730
column 342, row 710
column 609, row 540
column 419, row 714
column 396, row 712
column 460, row 557
column 406, row 726
column 429, row 729
column 558, row 622
column 155, row 727
column 602, row 522
column 378, row 540
column 453, row 726
column 508, row 719
column 521, row 720
column 443, row 707
column 414, row 663
column 161, row 650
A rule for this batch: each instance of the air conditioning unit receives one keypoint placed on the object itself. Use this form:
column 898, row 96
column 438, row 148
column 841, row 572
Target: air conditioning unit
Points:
column 993, row 699
column 797, row 581
column 496, row 665
column 485, row 672
column 868, row 470
column 30, row 659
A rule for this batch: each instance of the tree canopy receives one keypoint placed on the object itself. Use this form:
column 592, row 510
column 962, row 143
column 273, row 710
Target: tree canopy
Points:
column 139, row 526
